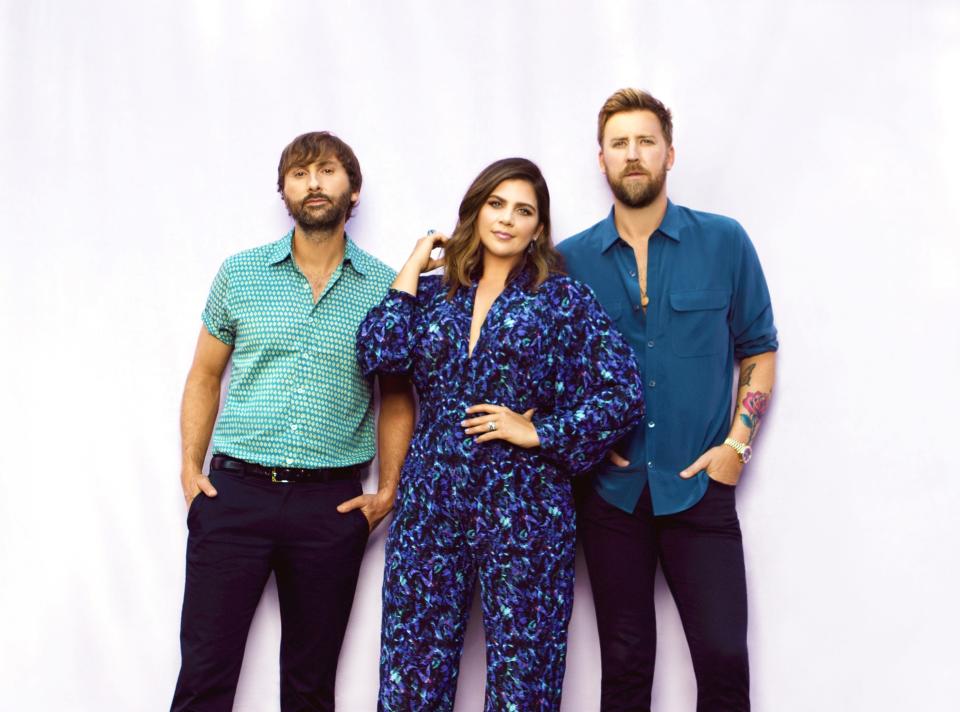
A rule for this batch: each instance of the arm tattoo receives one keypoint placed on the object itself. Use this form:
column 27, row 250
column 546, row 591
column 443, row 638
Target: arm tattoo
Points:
column 756, row 404
column 745, row 375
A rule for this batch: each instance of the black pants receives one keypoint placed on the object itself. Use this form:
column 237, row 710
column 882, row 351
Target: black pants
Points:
column 253, row 527
column 701, row 553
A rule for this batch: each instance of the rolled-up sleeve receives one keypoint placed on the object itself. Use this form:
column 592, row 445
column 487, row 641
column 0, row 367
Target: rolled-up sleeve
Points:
column 751, row 316
column 598, row 393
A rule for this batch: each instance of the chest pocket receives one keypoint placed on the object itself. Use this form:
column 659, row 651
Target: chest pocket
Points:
column 698, row 322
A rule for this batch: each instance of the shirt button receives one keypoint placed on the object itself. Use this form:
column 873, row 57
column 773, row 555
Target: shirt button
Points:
column 650, row 344
column 650, row 465
column 636, row 307
column 632, row 273
column 651, row 424
column 652, row 383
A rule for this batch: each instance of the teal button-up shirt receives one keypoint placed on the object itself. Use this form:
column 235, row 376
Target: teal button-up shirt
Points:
column 296, row 396
column 709, row 305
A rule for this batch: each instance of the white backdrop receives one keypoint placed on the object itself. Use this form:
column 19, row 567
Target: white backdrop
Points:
column 139, row 148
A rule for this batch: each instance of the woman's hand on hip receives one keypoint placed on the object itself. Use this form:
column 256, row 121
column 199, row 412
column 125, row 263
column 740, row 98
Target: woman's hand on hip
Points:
column 497, row 422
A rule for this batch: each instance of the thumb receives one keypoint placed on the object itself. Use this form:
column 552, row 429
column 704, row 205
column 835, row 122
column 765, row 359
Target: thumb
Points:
column 529, row 414
column 350, row 504
column 699, row 464
column 206, row 487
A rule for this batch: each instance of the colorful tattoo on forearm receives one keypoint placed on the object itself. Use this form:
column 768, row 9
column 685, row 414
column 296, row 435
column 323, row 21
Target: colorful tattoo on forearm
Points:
column 756, row 404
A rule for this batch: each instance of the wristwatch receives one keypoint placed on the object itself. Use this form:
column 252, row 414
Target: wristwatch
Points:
column 743, row 450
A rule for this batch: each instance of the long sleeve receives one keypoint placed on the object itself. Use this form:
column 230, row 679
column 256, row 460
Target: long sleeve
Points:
column 751, row 316
column 386, row 338
column 598, row 392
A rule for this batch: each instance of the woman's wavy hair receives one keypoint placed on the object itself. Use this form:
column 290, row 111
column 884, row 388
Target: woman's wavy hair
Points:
column 463, row 253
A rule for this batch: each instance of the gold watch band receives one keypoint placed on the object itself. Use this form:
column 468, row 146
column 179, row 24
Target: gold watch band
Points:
column 736, row 445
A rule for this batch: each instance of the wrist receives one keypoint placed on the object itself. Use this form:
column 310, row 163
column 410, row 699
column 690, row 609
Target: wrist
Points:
column 742, row 449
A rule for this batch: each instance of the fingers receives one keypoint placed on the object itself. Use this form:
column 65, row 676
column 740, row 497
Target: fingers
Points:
column 203, row 483
column 529, row 414
column 479, row 426
column 699, row 464
column 351, row 504
column 617, row 459
column 491, row 435
column 486, row 408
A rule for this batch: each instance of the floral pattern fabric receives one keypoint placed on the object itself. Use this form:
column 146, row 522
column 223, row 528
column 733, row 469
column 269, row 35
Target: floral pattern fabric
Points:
column 492, row 511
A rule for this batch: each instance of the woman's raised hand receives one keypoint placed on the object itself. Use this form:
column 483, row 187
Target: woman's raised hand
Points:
column 497, row 422
column 421, row 256
column 419, row 262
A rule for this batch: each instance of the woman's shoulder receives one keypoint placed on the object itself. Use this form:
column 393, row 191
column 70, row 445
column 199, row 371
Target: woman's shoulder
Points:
column 564, row 287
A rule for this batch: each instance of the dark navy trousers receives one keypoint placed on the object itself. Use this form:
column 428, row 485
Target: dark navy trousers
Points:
column 701, row 554
column 251, row 528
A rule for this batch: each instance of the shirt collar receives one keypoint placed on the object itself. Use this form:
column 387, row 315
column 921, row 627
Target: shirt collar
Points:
column 669, row 226
column 282, row 249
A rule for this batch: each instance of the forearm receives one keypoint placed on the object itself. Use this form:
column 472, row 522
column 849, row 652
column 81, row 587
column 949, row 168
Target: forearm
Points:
column 394, row 430
column 757, row 375
column 407, row 279
column 198, row 413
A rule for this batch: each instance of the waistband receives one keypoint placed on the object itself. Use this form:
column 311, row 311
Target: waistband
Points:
column 286, row 474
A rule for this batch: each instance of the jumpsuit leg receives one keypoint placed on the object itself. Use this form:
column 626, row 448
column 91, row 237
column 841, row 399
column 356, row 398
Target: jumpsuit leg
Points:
column 526, row 589
column 428, row 582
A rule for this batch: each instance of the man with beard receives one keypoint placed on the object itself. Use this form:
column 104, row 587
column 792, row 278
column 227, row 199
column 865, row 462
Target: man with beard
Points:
column 686, row 290
column 291, row 445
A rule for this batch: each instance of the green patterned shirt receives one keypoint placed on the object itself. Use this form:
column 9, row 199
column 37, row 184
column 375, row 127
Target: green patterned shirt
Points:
column 296, row 396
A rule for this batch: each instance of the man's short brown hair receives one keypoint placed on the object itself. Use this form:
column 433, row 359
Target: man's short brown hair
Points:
column 311, row 147
column 635, row 100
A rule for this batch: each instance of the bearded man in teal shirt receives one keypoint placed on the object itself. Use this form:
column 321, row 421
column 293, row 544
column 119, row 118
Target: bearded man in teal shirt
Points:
column 291, row 444
column 686, row 290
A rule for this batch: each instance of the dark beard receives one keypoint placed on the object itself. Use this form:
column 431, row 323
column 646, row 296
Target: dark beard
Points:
column 322, row 218
column 637, row 194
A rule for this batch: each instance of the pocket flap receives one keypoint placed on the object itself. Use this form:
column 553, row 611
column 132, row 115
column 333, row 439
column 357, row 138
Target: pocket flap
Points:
column 701, row 299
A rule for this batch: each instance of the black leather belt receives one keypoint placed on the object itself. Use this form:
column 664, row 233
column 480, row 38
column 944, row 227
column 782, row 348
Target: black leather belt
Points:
column 286, row 474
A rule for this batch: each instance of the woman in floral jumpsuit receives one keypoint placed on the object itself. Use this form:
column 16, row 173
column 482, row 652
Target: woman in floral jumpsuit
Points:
column 523, row 382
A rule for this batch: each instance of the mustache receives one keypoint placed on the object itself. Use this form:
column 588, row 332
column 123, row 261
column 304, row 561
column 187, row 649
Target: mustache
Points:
column 633, row 168
column 314, row 196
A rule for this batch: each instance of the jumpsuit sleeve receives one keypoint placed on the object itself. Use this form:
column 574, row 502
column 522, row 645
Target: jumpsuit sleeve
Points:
column 598, row 392
column 386, row 338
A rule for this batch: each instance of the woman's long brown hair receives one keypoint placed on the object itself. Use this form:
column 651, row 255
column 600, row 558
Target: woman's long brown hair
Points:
column 463, row 253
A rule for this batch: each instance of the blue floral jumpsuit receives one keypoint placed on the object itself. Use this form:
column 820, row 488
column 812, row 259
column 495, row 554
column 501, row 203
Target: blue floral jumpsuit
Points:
column 492, row 510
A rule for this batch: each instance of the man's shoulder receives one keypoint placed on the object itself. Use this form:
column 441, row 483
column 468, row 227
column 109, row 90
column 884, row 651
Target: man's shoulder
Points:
column 712, row 226
column 588, row 240
column 255, row 256
column 377, row 266
column 374, row 269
